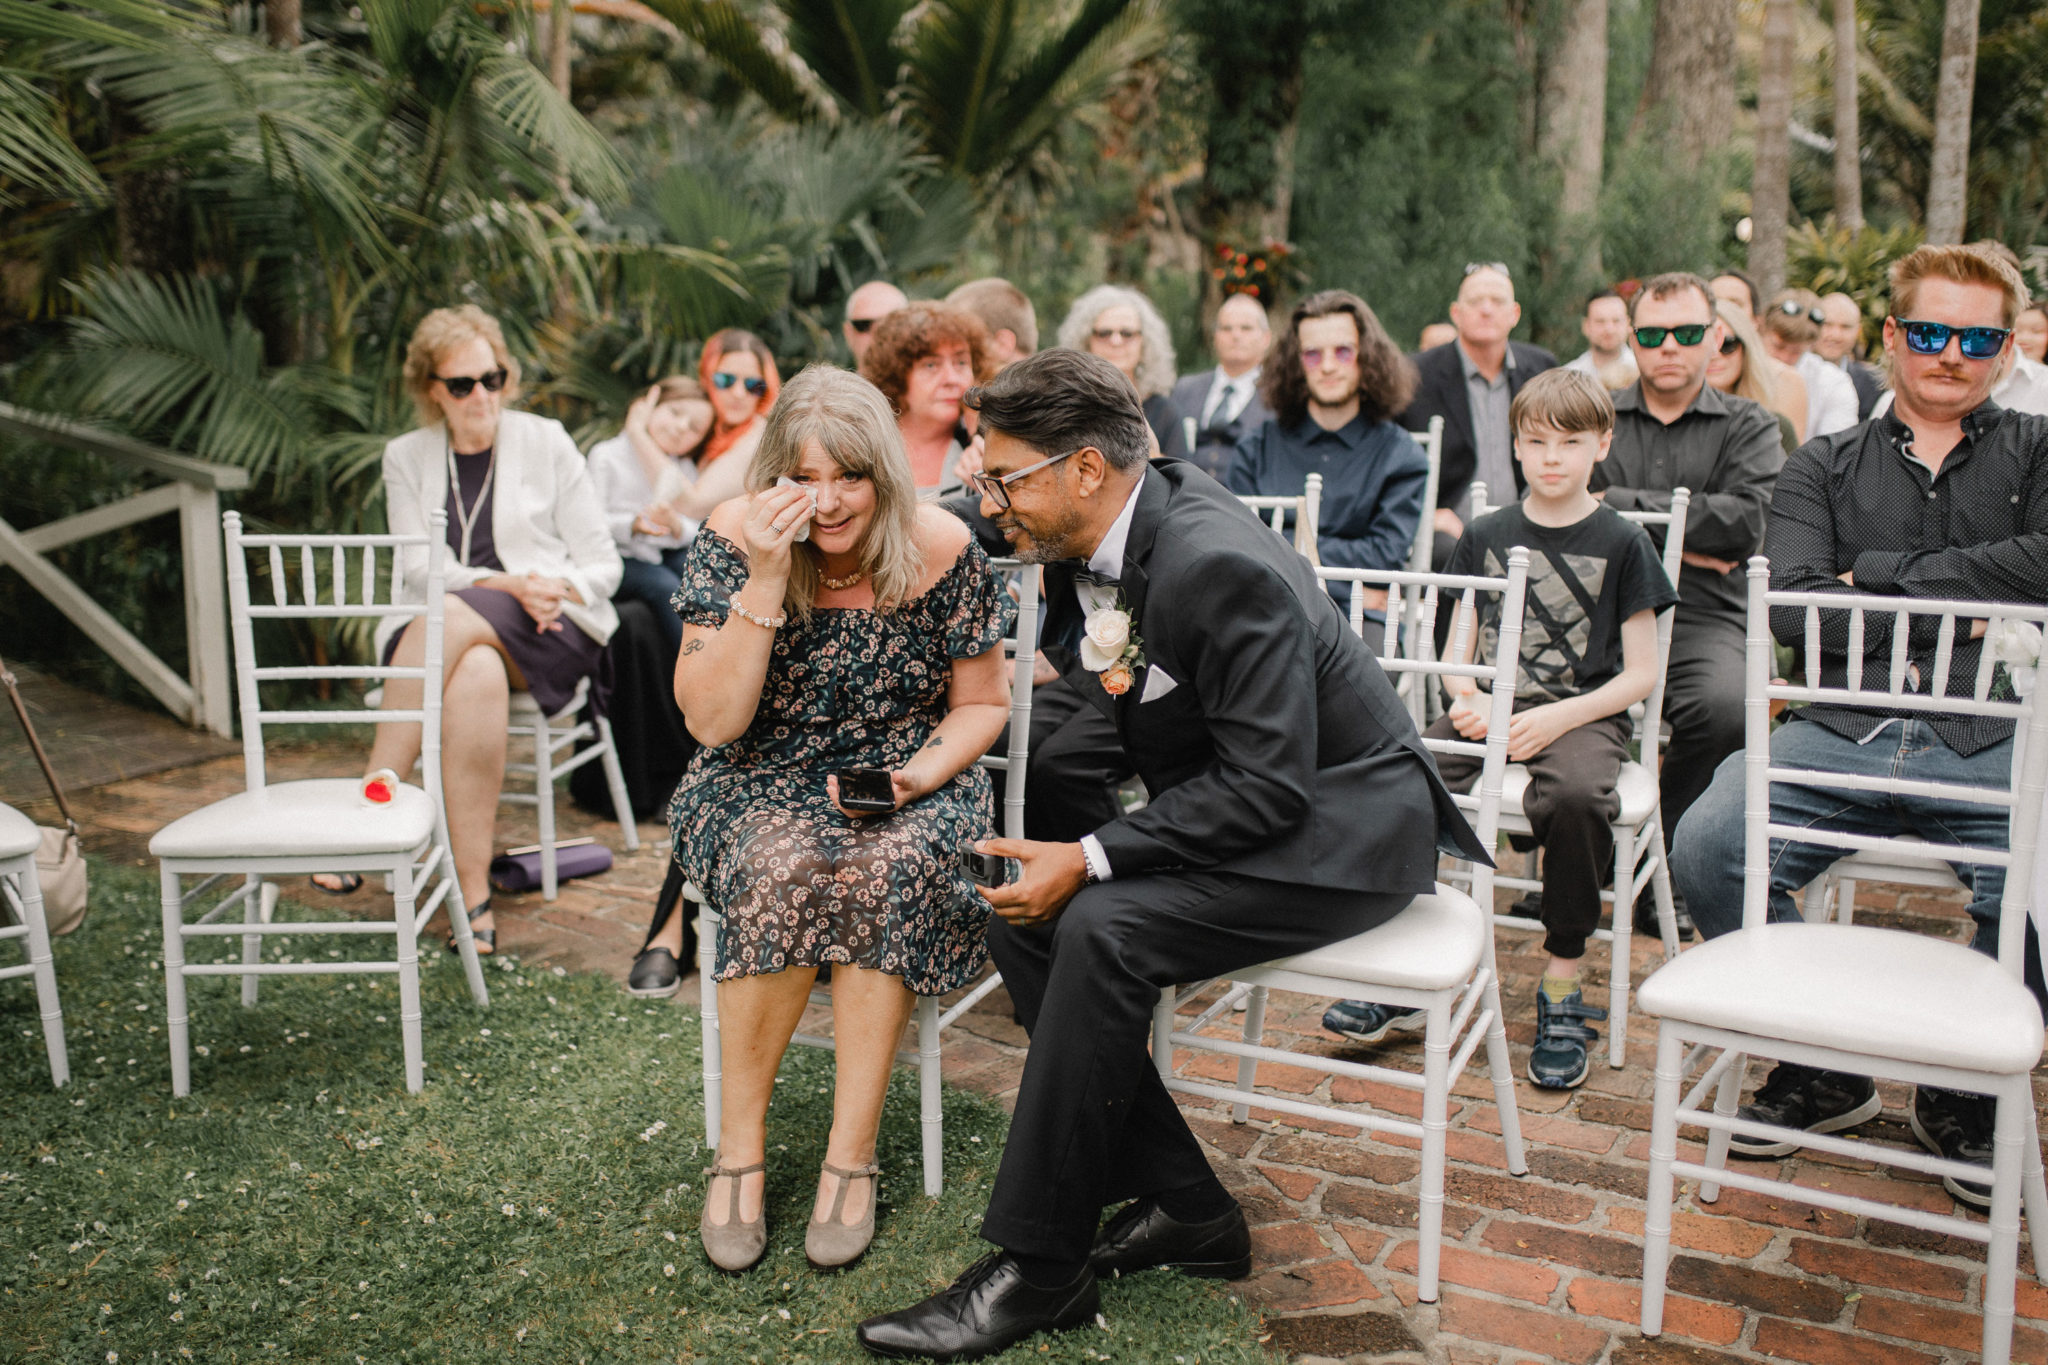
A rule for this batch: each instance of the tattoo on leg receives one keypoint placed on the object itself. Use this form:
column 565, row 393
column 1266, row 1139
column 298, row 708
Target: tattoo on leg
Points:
column 692, row 646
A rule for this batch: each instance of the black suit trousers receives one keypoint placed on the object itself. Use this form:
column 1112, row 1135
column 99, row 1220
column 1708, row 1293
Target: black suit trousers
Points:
column 1093, row 1124
column 1703, row 707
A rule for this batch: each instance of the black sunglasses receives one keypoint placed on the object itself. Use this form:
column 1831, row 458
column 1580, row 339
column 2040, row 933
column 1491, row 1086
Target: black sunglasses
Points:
column 1791, row 309
column 1688, row 334
column 722, row 380
column 1931, row 338
column 862, row 325
column 462, row 385
column 1730, row 344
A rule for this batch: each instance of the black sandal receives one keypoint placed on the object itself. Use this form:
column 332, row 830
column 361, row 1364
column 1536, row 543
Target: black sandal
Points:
column 486, row 939
column 351, row 882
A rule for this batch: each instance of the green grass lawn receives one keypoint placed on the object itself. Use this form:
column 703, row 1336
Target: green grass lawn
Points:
column 538, row 1200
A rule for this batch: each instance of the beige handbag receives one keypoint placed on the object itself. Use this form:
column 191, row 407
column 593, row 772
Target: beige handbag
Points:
column 60, row 864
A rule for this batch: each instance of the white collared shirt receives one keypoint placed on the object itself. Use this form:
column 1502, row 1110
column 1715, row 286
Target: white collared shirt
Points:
column 1108, row 560
column 1228, row 396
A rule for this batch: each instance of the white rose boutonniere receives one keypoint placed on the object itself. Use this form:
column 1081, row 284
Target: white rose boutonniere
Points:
column 2017, row 645
column 1110, row 649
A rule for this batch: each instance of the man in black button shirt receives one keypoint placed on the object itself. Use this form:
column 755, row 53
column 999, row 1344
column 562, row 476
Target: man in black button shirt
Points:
column 1944, row 496
column 1674, row 430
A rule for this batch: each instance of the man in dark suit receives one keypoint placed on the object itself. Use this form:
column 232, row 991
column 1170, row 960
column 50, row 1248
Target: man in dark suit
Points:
column 1292, row 805
column 1469, row 383
column 1225, row 402
column 1837, row 345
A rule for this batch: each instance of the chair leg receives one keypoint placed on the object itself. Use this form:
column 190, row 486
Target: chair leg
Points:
column 45, row 973
column 1503, row 1068
column 1845, row 900
column 544, row 804
column 1162, row 1034
column 1619, row 959
column 1436, row 1099
column 254, row 911
column 2001, row 1264
column 707, row 1019
column 1248, row 1068
column 402, row 897
column 928, row 1111
column 1663, row 1151
column 1816, row 905
column 1725, row 1103
column 1660, row 886
column 615, row 778
column 2034, row 1193
column 174, row 983
column 458, row 920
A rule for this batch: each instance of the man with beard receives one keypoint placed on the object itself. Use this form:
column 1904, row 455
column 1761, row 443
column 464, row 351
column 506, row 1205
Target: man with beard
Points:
column 1672, row 429
column 1292, row 805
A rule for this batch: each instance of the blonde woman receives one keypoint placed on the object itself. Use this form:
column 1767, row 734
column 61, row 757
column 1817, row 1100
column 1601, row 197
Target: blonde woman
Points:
column 1123, row 327
column 875, row 644
column 529, row 586
column 1742, row 367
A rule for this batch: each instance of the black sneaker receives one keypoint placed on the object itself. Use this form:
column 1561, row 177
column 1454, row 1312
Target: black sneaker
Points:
column 1957, row 1126
column 656, row 975
column 1559, row 1060
column 1807, row 1098
column 1364, row 1022
column 1646, row 916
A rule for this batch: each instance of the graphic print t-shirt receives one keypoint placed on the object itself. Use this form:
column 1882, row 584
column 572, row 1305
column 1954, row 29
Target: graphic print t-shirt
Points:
column 1584, row 581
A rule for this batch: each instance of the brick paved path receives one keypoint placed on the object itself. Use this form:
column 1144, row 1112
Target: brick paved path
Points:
column 1540, row 1269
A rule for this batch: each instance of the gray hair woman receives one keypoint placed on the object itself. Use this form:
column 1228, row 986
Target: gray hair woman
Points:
column 834, row 630
column 1123, row 327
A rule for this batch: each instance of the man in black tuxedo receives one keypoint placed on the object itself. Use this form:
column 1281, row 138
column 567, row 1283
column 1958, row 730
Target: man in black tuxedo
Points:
column 1469, row 383
column 1225, row 402
column 1292, row 805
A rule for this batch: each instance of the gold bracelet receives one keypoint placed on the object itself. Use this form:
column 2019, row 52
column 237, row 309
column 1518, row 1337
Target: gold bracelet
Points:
column 765, row 622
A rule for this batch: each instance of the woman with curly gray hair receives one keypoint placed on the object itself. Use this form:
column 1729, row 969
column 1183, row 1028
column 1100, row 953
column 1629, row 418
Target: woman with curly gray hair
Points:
column 1123, row 327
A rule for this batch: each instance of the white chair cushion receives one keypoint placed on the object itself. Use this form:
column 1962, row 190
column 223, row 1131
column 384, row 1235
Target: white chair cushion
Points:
column 1432, row 945
column 1859, row 988
column 18, row 833
column 1636, row 787
column 293, row 819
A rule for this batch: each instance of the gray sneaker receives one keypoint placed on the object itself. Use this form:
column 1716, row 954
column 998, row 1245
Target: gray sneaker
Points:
column 1364, row 1022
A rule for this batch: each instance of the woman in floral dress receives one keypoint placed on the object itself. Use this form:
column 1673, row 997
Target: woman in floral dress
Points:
column 876, row 642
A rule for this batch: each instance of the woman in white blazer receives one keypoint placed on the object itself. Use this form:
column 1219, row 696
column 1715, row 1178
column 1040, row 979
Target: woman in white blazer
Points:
column 529, row 586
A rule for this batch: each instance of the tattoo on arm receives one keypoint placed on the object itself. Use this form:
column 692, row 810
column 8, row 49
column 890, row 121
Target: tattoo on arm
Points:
column 934, row 742
column 692, row 646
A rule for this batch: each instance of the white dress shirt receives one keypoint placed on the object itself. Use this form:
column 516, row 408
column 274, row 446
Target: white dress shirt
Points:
column 1108, row 560
column 2025, row 389
column 1227, row 396
column 1830, row 396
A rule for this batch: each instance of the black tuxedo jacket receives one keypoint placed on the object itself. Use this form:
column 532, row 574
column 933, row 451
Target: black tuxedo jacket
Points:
column 1282, row 751
column 1442, row 393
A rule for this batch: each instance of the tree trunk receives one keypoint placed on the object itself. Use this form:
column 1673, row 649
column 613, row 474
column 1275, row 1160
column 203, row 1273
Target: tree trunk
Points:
column 1848, row 133
column 1770, row 194
column 559, row 33
column 1690, row 93
column 1573, row 125
column 1949, row 168
column 281, row 23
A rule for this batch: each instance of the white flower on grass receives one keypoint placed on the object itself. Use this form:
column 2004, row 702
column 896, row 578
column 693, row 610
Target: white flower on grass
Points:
column 177, row 1298
column 427, row 1218
column 669, row 1270
column 184, row 1203
column 509, row 1210
column 178, row 1316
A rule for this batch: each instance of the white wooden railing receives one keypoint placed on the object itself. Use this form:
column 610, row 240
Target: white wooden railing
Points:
column 201, row 700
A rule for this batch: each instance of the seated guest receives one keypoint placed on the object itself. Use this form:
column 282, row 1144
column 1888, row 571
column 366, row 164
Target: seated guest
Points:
column 1469, row 382
column 1674, row 430
column 876, row 644
column 1607, row 356
column 530, row 577
column 2030, row 332
column 1224, row 402
column 1941, row 497
column 865, row 307
column 1006, row 312
column 739, row 375
column 1123, row 327
column 1739, row 289
column 1737, row 367
column 924, row 357
column 1589, row 652
column 1840, row 334
column 634, row 474
column 1335, row 381
column 1790, row 327
column 2022, row 385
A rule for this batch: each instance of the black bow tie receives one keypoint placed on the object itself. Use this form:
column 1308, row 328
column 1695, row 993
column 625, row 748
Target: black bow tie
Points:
column 1083, row 574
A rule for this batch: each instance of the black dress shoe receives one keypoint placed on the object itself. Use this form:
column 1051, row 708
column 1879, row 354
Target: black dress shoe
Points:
column 656, row 975
column 1646, row 917
column 1142, row 1236
column 990, row 1308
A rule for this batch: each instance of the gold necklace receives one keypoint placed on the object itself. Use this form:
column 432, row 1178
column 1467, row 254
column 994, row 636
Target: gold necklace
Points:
column 841, row 584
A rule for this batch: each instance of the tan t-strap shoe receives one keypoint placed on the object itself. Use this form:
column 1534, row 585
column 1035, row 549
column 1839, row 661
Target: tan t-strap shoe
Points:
column 830, row 1244
column 734, row 1245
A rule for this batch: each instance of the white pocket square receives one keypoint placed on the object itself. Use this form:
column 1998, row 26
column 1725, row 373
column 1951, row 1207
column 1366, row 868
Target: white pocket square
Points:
column 1158, row 682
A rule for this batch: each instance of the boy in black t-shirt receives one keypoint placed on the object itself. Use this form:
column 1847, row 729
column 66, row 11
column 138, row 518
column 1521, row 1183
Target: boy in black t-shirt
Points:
column 1589, row 652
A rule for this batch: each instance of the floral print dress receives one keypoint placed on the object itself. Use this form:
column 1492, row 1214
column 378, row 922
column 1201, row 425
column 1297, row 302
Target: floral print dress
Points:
column 798, row 883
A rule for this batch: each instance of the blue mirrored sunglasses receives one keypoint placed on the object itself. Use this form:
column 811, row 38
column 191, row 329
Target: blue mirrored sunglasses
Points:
column 1931, row 338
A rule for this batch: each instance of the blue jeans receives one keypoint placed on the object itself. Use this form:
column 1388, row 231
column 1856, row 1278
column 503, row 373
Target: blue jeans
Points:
column 1706, row 848
column 655, row 584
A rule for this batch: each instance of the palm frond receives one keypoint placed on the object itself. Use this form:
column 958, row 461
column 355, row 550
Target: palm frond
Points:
column 732, row 38
column 116, row 23
column 35, row 151
column 519, row 96
column 851, row 45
